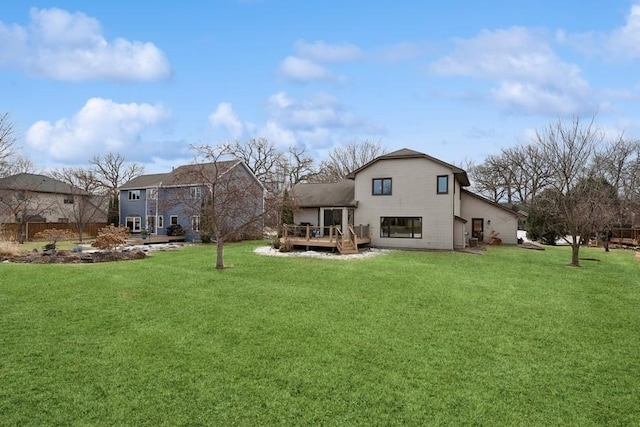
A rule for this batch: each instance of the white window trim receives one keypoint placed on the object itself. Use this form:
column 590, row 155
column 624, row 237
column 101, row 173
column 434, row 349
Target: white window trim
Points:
column 135, row 219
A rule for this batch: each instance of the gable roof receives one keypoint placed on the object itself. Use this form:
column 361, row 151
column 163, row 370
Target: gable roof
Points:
column 184, row 175
column 144, row 181
column 38, row 183
column 491, row 202
column 405, row 153
column 324, row 194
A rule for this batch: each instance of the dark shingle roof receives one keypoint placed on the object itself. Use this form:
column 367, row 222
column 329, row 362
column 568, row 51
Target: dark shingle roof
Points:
column 308, row 195
column 38, row 183
column 144, row 181
column 182, row 175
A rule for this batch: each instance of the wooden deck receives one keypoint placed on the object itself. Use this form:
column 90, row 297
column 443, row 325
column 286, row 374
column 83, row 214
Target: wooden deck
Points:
column 625, row 237
column 326, row 237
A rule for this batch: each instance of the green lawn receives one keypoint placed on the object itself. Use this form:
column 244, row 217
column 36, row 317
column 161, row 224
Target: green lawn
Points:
column 509, row 337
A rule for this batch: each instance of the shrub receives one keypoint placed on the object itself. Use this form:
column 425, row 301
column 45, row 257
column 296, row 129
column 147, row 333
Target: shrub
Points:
column 9, row 247
column 175, row 230
column 110, row 237
column 54, row 235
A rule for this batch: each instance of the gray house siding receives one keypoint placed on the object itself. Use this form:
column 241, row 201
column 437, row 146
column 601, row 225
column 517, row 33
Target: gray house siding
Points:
column 173, row 201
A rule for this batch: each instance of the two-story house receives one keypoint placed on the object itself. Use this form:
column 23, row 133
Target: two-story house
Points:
column 27, row 197
column 157, row 203
column 406, row 199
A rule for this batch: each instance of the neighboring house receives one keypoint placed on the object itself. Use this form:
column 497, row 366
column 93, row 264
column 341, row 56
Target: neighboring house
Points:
column 408, row 200
column 29, row 197
column 156, row 202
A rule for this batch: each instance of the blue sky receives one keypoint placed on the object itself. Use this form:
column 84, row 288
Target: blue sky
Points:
column 458, row 80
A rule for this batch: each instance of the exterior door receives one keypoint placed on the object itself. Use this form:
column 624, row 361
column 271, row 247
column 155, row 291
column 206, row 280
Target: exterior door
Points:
column 477, row 228
column 332, row 217
column 134, row 224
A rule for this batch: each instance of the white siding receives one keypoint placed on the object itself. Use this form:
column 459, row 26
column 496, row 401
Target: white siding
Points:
column 495, row 219
column 456, row 197
column 414, row 194
column 309, row 215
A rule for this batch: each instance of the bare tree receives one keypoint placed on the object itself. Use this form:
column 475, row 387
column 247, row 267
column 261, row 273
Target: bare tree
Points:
column 231, row 202
column 491, row 178
column 20, row 201
column 514, row 176
column 87, row 202
column 112, row 171
column 7, row 142
column 619, row 163
column 297, row 166
column 344, row 160
column 11, row 162
column 569, row 149
column 262, row 157
column 276, row 170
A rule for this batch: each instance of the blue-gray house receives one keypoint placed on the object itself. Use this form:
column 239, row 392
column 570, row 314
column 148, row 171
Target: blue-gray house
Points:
column 186, row 197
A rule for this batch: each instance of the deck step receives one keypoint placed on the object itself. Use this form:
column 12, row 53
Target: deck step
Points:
column 348, row 249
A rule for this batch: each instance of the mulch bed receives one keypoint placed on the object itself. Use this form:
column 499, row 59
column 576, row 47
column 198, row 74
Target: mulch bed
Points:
column 68, row 257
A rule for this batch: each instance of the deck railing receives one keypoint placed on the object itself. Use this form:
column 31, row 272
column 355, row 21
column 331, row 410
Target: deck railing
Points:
column 332, row 232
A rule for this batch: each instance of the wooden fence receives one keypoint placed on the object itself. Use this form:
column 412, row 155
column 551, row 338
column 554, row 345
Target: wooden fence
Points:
column 10, row 230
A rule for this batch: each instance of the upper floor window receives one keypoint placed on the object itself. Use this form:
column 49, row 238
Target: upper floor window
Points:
column 68, row 199
column 152, row 193
column 134, row 194
column 381, row 186
column 443, row 184
column 196, row 192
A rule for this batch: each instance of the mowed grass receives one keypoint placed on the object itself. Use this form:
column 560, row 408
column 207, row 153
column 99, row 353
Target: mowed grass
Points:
column 509, row 337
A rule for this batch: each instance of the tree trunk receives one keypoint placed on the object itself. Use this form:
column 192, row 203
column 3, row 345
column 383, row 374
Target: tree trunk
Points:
column 219, row 254
column 575, row 249
column 22, row 231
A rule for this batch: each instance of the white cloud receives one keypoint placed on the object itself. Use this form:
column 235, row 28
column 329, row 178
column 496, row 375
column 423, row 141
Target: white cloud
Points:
column 64, row 46
column 99, row 127
column 224, row 117
column 303, row 70
column 306, row 64
column 317, row 121
column 319, row 111
column 324, row 52
column 620, row 44
column 625, row 42
column 526, row 73
column 402, row 52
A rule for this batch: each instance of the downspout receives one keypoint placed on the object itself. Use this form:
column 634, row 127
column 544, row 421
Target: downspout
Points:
column 146, row 209
column 157, row 197
column 119, row 210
